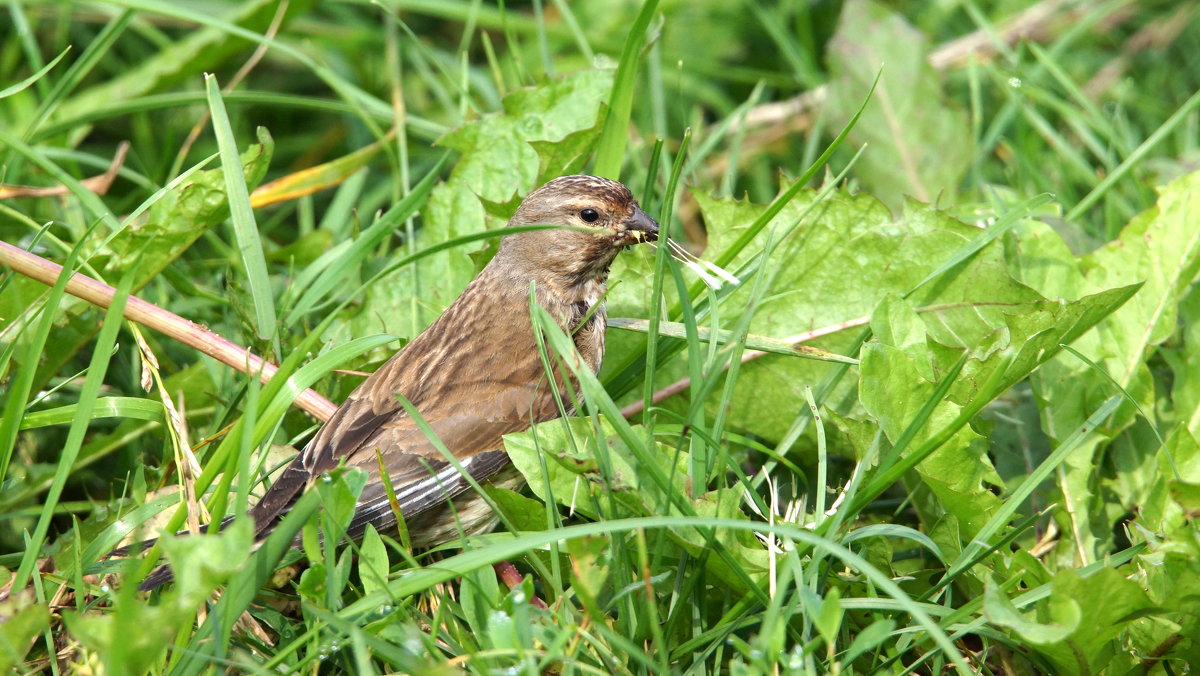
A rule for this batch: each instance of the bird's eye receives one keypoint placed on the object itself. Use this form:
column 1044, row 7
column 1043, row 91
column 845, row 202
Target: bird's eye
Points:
column 589, row 215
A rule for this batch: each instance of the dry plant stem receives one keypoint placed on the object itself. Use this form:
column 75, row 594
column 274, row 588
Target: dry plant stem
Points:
column 97, row 184
column 1034, row 23
column 147, row 314
column 748, row 356
column 259, row 53
column 1157, row 34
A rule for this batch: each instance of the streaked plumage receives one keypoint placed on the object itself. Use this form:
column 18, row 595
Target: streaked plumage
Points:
column 475, row 374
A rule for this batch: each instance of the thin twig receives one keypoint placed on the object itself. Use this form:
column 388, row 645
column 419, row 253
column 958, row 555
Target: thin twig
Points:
column 748, row 356
column 259, row 53
column 150, row 315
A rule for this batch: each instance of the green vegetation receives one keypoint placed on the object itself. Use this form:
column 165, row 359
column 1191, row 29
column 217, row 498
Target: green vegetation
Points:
column 991, row 207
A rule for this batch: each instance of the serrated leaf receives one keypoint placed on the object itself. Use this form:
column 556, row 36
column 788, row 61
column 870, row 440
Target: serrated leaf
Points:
column 1160, row 248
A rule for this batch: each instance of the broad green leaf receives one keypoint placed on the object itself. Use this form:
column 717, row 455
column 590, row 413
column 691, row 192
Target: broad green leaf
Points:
column 589, row 569
column 1158, row 509
column 917, row 144
column 24, row 619
column 1017, row 337
column 1184, row 360
column 573, row 471
column 1000, row 611
column 892, row 390
column 202, row 563
column 846, row 255
column 1160, row 248
column 829, row 618
column 610, row 484
column 479, row 592
column 523, row 512
column 373, row 563
column 1108, row 601
column 1171, row 578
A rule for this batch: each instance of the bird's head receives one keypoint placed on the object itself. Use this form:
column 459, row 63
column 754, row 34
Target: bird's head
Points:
column 605, row 217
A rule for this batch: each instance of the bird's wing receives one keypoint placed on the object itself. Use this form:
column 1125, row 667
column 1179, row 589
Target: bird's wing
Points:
column 469, row 397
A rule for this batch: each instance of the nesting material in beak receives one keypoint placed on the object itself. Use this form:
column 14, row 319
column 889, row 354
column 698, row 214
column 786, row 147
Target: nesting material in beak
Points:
column 641, row 227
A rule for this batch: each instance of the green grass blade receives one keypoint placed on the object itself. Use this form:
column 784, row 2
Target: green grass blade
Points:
column 610, row 149
column 27, row 82
column 244, row 226
column 105, row 407
column 79, row 425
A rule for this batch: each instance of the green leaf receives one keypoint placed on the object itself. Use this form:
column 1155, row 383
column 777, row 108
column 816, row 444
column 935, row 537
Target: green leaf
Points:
column 610, row 154
column 480, row 593
column 24, row 619
column 917, row 144
column 1005, row 341
column 867, row 639
column 105, row 407
column 831, row 271
column 595, row 473
column 1149, row 484
column 245, row 228
column 829, row 618
column 1160, row 249
column 373, row 562
column 204, row 562
column 524, row 513
column 589, row 569
column 1108, row 600
column 89, row 393
column 23, row 84
column 1001, row 612
column 337, row 266
column 574, row 474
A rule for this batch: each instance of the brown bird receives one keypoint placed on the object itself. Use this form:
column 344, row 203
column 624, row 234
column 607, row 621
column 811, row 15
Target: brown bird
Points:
column 475, row 374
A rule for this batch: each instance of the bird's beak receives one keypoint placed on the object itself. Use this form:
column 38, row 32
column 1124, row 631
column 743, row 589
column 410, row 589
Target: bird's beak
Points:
column 641, row 227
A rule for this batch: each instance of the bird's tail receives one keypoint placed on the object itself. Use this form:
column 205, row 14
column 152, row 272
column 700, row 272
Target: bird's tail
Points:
column 264, row 524
column 162, row 574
